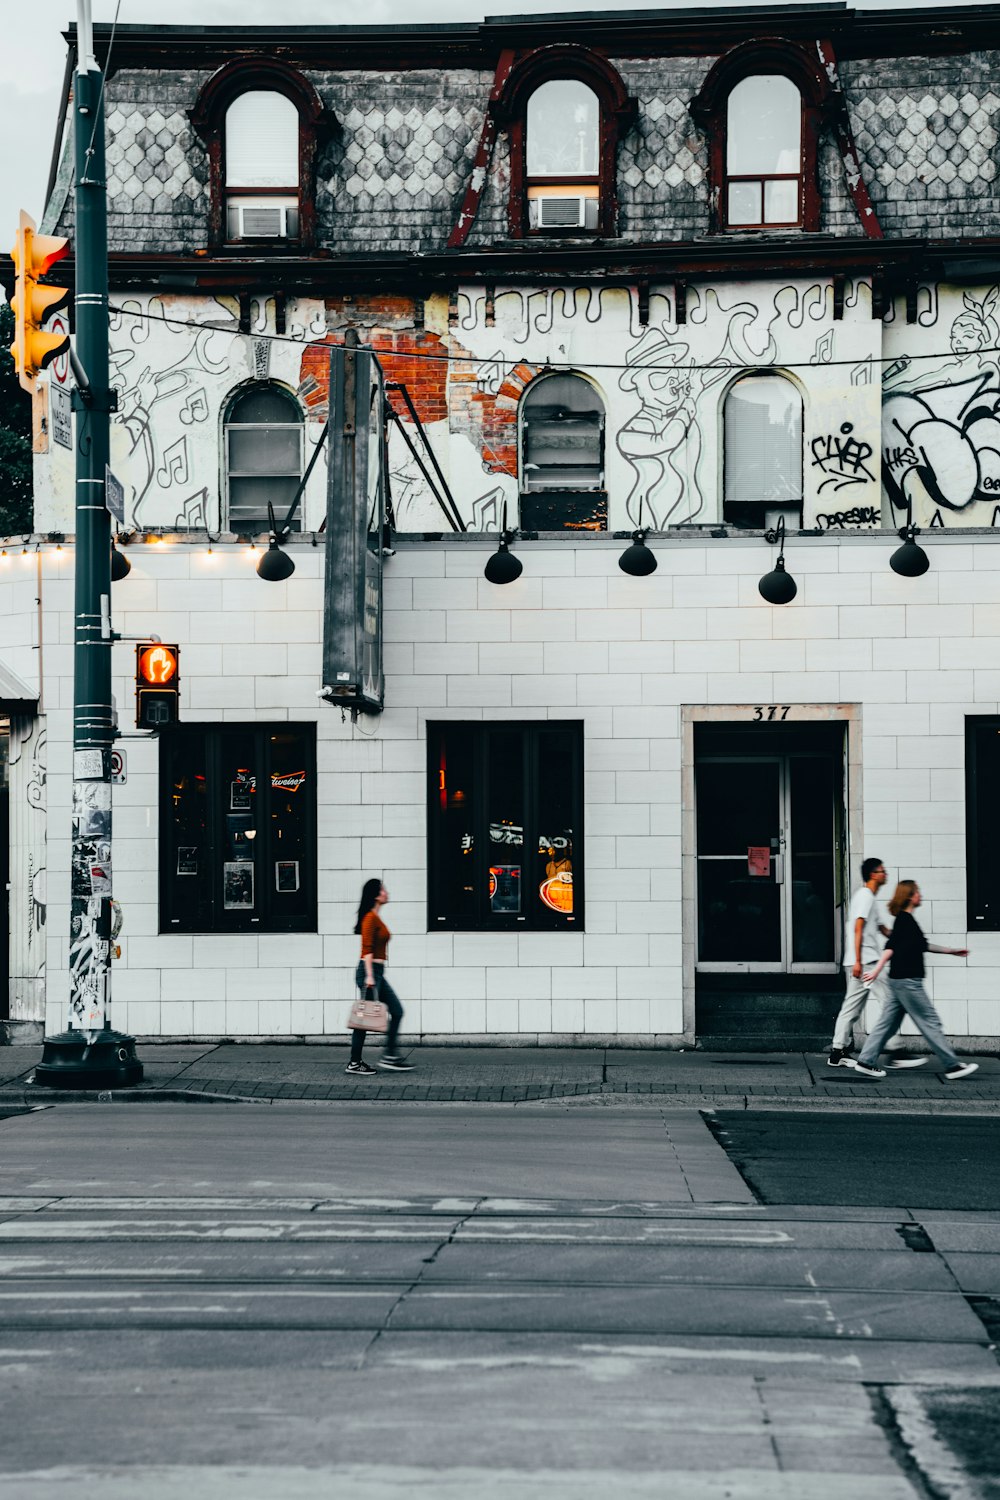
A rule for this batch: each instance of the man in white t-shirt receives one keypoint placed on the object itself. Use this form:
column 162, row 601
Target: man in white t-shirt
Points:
column 863, row 944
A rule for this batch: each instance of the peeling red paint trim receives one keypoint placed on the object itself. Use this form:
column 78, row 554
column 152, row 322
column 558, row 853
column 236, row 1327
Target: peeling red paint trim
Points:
column 484, row 152
column 848, row 150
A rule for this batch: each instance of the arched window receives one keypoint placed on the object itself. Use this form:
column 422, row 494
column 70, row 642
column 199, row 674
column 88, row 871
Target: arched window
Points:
column 764, row 106
column 764, row 153
column 263, row 126
column 562, row 455
column 762, row 420
column 563, row 156
column 262, row 167
column 263, row 445
column 564, row 109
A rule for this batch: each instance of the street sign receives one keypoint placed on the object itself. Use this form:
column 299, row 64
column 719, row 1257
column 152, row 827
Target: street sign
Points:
column 114, row 496
column 61, row 415
column 119, row 767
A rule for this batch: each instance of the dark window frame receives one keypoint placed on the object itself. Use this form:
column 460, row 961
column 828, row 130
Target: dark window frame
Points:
column 732, row 506
column 235, row 922
column 709, row 110
column 982, row 892
column 228, row 426
column 316, row 123
column 617, row 111
column 575, row 507
column 541, row 920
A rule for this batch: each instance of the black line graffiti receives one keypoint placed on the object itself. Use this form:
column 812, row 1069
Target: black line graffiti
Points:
column 941, row 428
column 859, row 515
column 842, row 458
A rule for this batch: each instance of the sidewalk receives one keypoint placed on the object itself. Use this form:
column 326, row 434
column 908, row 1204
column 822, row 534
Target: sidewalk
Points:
column 267, row 1072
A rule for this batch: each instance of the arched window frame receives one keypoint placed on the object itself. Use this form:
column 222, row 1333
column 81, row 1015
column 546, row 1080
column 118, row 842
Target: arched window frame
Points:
column 229, row 405
column 617, row 111
column 761, row 509
column 575, row 507
column 709, row 110
column 316, row 124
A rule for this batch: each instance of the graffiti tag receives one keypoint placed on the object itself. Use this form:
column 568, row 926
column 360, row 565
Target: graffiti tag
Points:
column 859, row 515
column 842, row 458
column 945, row 438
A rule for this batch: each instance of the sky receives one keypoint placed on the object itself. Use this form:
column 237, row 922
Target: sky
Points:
column 33, row 55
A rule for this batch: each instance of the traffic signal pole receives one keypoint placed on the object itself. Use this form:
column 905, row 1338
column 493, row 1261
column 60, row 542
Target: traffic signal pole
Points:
column 89, row 1054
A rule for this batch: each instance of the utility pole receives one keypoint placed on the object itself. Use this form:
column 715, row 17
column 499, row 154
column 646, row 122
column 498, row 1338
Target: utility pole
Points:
column 89, row 1054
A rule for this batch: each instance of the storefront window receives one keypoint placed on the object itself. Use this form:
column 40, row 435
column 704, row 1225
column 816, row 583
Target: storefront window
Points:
column 982, row 811
column 505, row 826
column 238, row 829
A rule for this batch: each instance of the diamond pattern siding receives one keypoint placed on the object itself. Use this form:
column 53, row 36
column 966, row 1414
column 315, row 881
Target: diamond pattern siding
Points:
column 394, row 177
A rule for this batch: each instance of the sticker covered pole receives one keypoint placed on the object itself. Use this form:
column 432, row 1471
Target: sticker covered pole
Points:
column 89, row 1054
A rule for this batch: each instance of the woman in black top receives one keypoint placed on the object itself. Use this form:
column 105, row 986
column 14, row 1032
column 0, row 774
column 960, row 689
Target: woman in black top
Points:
column 904, row 953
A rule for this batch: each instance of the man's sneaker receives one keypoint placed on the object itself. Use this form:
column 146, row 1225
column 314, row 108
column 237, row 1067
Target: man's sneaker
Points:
column 394, row 1063
column 839, row 1059
column 905, row 1062
column 962, row 1071
column 361, row 1069
column 868, row 1072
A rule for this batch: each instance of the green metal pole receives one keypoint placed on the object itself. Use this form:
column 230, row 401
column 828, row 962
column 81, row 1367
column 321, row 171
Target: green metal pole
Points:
column 89, row 1053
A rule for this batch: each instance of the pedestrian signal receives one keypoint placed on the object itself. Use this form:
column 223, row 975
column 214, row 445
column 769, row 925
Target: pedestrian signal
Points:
column 33, row 255
column 157, row 685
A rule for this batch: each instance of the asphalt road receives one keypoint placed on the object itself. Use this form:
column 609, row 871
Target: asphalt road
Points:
column 203, row 1302
column 940, row 1161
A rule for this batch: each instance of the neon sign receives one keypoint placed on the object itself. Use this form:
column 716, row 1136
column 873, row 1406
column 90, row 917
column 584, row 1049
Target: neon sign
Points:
column 557, row 892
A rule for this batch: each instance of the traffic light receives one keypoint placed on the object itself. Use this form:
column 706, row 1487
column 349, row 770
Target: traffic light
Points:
column 157, row 685
column 33, row 254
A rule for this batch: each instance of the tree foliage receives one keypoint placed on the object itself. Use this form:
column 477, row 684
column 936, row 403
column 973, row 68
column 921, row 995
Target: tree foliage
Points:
column 15, row 439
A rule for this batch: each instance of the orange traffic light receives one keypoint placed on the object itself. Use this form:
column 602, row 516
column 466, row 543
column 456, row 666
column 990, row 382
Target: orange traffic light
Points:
column 158, row 664
column 157, row 686
column 33, row 255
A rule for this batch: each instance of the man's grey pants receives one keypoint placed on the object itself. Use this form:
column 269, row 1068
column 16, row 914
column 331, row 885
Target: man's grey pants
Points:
column 856, row 997
column 907, row 997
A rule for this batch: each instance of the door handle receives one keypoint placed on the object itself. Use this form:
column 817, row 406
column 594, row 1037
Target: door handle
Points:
column 779, row 868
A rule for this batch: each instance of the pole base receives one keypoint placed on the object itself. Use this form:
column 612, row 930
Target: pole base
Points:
column 70, row 1062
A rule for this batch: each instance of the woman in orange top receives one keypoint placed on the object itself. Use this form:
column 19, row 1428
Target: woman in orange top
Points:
column 371, row 979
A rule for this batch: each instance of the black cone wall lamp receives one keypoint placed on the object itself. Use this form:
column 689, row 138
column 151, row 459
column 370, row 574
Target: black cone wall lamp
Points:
column 778, row 587
column 909, row 560
column 503, row 566
column 275, row 564
column 638, row 561
column 120, row 565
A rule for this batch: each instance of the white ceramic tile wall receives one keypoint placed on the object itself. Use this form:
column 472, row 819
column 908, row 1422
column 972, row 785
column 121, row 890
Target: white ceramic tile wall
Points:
column 573, row 638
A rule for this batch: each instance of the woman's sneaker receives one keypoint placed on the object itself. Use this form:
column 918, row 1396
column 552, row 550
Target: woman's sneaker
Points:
column 962, row 1071
column 839, row 1059
column 868, row 1072
column 360, row 1068
column 393, row 1063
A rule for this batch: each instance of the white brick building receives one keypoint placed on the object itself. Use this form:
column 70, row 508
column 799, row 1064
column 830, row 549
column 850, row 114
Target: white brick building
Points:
column 605, row 806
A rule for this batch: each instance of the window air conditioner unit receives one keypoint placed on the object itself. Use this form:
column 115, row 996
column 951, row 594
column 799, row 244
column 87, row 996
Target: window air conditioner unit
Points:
column 562, row 213
column 262, row 221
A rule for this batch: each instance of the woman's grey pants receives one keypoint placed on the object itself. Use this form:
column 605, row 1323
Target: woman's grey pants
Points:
column 907, row 997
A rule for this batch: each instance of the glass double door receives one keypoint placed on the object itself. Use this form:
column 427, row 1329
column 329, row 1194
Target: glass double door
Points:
column 767, row 851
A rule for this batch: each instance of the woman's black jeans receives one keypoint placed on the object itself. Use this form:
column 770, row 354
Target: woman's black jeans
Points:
column 390, row 1000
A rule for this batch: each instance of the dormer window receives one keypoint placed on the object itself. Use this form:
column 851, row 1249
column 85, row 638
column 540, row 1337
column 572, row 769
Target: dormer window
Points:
column 262, row 167
column 563, row 156
column 764, row 153
column 564, row 110
column 763, row 108
column 263, row 126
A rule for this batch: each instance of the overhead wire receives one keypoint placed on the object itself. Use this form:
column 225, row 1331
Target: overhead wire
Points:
column 521, row 357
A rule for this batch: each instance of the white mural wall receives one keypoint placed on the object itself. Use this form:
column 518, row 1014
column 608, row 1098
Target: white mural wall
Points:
column 922, row 398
